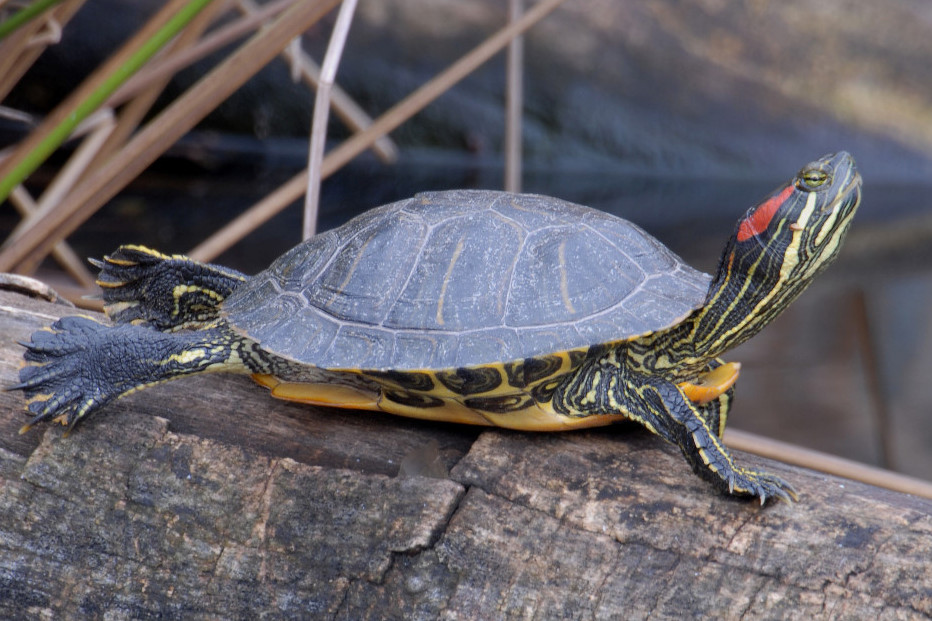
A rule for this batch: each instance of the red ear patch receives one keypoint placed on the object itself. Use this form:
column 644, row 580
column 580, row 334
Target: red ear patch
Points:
column 757, row 222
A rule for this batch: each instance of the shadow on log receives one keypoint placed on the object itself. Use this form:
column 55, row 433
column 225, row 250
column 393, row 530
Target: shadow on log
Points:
column 204, row 498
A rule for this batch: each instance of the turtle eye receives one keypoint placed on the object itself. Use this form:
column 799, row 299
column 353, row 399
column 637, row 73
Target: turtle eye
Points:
column 811, row 178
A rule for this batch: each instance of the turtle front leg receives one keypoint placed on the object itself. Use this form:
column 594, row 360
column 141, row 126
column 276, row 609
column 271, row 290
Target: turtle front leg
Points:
column 166, row 292
column 665, row 409
column 78, row 365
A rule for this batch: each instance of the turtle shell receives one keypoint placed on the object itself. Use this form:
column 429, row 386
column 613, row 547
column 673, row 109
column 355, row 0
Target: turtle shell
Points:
column 463, row 279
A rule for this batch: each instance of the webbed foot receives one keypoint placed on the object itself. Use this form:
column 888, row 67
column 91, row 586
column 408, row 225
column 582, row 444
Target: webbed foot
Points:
column 61, row 378
column 78, row 364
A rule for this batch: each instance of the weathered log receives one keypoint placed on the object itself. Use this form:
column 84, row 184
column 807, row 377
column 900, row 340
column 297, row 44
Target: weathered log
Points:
column 204, row 498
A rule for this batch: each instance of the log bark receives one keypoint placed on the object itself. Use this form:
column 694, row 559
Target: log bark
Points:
column 204, row 499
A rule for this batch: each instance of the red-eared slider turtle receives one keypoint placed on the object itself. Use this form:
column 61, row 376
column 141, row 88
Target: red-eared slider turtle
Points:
column 479, row 307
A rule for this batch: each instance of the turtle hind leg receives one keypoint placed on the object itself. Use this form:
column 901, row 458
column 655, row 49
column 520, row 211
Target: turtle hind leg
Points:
column 166, row 292
column 78, row 365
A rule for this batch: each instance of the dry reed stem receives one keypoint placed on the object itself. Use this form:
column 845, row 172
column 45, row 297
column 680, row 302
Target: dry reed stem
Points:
column 355, row 118
column 16, row 56
column 49, row 34
column 67, row 258
column 252, row 218
column 163, row 131
column 22, row 57
column 169, row 64
column 85, row 127
column 91, row 84
column 291, row 190
column 866, row 339
column 106, row 138
column 134, row 111
column 64, row 181
column 514, row 102
column 328, row 76
column 343, row 105
column 70, row 174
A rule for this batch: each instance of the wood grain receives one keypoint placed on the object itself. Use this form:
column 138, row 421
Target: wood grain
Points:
column 204, row 499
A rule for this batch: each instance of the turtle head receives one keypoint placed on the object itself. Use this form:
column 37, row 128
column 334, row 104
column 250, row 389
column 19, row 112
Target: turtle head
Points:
column 800, row 227
column 777, row 248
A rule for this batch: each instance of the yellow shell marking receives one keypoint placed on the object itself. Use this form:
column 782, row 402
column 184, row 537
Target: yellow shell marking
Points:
column 564, row 284
column 446, row 280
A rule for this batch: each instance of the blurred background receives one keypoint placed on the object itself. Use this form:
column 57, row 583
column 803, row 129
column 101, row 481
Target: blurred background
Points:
column 677, row 116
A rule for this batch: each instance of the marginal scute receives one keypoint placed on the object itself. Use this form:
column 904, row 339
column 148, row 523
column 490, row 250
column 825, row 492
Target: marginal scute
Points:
column 470, row 381
column 500, row 405
column 414, row 399
column 523, row 373
column 543, row 392
column 464, row 279
column 577, row 357
column 409, row 380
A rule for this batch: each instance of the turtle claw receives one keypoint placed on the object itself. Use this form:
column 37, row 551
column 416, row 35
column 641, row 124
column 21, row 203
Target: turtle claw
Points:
column 760, row 484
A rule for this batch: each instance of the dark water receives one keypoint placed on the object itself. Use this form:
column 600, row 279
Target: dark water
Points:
column 183, row 198
column 175, row 206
